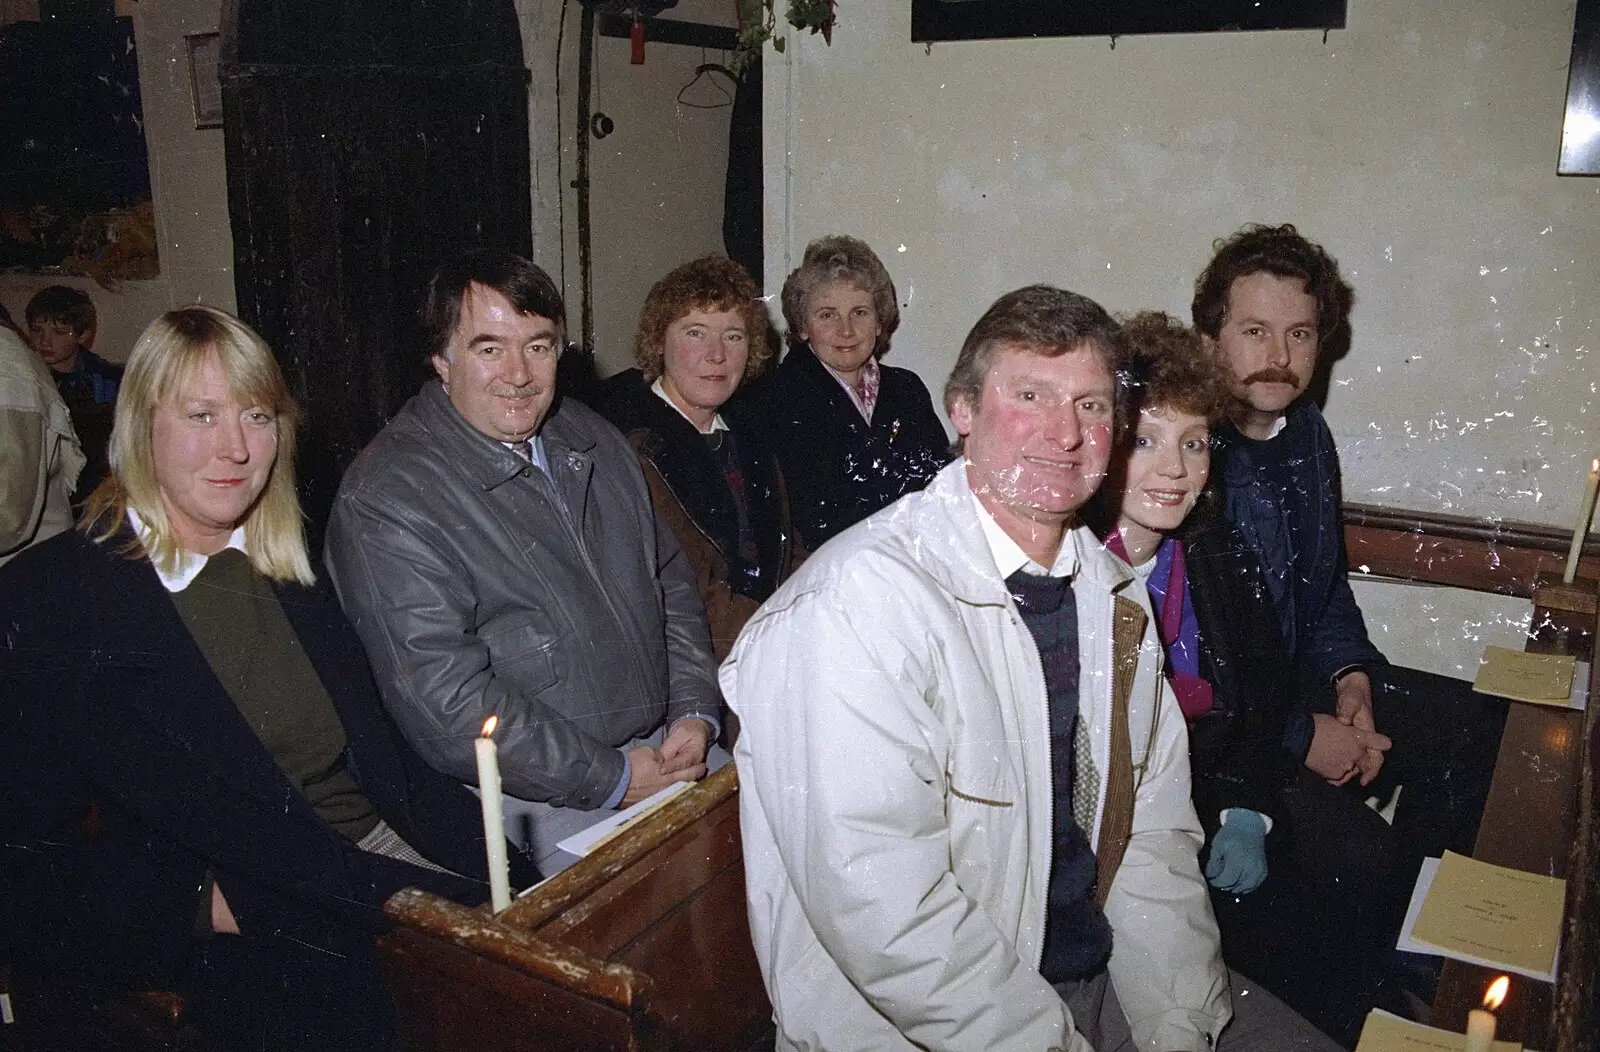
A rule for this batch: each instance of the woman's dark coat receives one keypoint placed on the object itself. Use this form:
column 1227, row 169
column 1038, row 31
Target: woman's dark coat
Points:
column 105, row 699
column 839, row 468
column 1254, row 741
column 691, row 494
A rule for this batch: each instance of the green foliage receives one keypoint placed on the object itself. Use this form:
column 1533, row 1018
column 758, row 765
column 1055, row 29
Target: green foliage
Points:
column 758, row 23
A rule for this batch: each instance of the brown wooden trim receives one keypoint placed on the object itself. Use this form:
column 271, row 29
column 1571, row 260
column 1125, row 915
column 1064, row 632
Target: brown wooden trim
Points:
column 1482, row 555
column 570, row 885
column 486, row 936
column 1461, row 527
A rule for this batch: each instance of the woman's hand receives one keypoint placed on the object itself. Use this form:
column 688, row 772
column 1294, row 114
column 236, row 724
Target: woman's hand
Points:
column 1238, row 862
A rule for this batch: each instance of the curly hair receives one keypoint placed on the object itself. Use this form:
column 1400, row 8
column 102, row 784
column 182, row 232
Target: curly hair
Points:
column 1168, row 367
column 836, row 258
column 710, row 283
column 1282, row 252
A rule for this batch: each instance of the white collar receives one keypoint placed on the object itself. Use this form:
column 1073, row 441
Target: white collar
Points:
column 717, row 423
column 1009, row 556
column 1277, row 427
column 189, row 563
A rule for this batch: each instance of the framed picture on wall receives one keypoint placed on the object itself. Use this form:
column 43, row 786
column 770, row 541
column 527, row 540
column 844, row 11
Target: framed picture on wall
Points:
column 205, row 90
column 999, row 19
column 74, row 165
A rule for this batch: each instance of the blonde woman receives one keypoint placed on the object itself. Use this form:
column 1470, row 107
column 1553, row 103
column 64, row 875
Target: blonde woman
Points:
column 175, row 668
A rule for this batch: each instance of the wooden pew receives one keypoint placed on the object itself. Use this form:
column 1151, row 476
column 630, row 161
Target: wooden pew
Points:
column 1540, row 812
column 643, row 945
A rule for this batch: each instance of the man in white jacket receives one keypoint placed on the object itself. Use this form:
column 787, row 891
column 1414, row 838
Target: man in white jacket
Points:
column 965, row 785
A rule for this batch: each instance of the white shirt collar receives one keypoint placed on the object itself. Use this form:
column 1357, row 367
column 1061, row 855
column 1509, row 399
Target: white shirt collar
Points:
column 1009, row 556
column 189, row 563
column 1277, row 428
column 717, row 423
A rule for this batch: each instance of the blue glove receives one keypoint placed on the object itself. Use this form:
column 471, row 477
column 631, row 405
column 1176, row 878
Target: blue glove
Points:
column 1238, row 862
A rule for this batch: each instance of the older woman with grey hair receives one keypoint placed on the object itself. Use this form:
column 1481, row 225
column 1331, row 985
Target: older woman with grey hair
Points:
column 852, row 435
column 202, row 791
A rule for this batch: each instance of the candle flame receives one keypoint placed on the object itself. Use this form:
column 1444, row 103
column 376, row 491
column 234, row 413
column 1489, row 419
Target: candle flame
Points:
column 489, row 725
column 1594, row 466
column 1496, row 992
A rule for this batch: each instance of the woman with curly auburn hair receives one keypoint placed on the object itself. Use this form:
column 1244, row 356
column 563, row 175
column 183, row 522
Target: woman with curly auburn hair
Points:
column 853, row 435
column 712, row 477
column 1295, row 865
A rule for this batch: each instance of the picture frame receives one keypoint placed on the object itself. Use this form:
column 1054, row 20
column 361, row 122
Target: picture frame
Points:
column 943, row 20
column 205, row 88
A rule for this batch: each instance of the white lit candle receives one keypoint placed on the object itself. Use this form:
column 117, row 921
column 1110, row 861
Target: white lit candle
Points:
column 494, row 823
column 1480, row 1021
column 1585, row 513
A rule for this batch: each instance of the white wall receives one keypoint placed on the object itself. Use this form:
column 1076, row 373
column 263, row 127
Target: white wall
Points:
column 1419, row 145
column 189, row 184
column 656, row 181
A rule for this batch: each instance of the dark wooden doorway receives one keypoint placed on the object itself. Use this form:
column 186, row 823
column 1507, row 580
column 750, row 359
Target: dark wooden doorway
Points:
column 367, row 141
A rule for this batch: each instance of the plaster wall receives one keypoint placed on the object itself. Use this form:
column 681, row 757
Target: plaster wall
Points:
column 656, row 181
column 189, row 185
column 1419, row 145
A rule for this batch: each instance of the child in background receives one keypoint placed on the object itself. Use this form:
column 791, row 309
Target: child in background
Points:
column 61, row 328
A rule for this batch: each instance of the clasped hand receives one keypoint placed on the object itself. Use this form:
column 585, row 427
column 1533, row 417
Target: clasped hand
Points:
column 1347, row 744
column 681, row 758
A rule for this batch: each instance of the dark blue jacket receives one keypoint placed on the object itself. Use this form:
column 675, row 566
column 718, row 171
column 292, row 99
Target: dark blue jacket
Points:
column 105, row 698
column 839, row 468
column 1283, row 496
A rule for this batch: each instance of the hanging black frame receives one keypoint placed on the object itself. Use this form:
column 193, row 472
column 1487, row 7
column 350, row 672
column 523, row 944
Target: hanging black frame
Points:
column 935, row 20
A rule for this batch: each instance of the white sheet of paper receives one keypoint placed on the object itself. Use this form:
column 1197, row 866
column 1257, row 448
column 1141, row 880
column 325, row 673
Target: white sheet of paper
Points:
column 1580, row 688
column 1409, row 943
column 581, row 843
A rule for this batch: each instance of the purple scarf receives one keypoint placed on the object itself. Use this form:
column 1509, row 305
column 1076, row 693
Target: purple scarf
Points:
column 1176, row 625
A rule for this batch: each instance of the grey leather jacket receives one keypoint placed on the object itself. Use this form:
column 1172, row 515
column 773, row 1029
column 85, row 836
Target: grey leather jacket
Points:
column 480, row 586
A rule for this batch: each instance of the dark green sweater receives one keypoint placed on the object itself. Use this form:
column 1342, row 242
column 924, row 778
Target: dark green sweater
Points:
column 234, row 617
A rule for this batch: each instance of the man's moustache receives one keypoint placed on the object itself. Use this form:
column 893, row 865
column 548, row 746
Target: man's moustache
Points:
column 1273, row 376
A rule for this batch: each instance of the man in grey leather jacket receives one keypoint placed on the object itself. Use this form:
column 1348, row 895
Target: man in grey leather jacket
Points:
column 496, row 549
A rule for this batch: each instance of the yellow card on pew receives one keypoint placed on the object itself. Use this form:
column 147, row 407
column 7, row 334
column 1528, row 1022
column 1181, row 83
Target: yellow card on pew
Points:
column 1389, row 1033
column 1502, row 917
column 1544, row 679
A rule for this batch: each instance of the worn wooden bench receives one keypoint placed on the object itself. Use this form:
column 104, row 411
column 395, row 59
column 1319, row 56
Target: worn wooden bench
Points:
column 643, row 945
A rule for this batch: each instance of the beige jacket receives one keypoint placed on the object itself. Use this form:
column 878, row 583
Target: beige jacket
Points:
column 39, row 453
column 896, row 798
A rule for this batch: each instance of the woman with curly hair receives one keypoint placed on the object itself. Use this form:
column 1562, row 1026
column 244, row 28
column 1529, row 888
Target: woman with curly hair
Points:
column 1295, row 877
column 712, row 477
column 853, row 435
